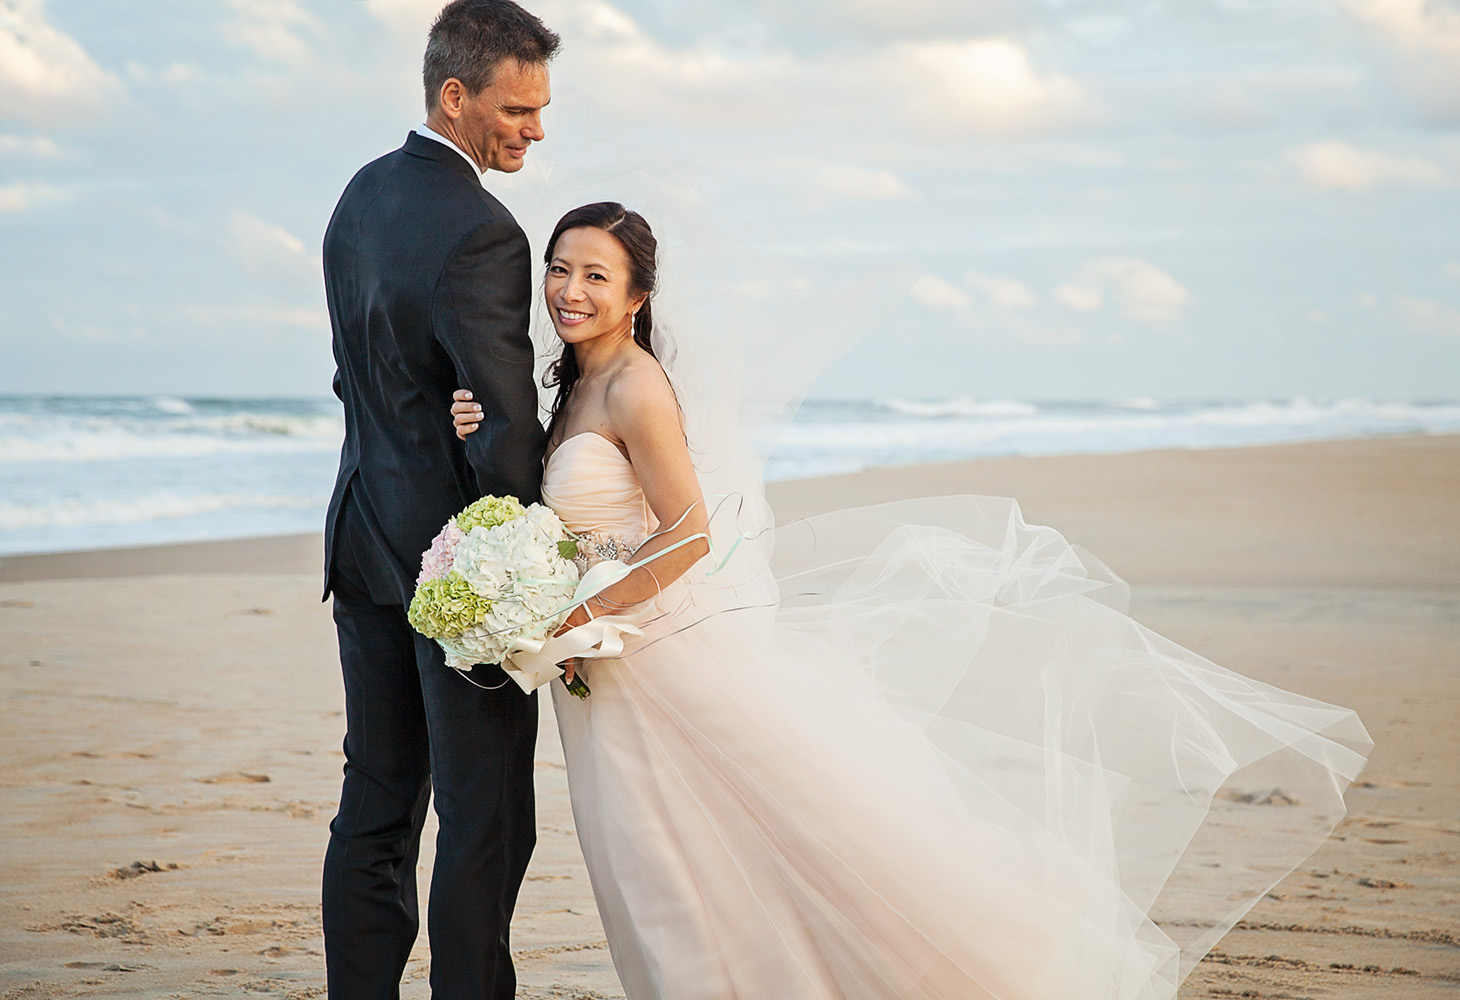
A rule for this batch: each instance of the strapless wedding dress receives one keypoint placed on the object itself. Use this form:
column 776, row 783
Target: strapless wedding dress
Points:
column 940, row 767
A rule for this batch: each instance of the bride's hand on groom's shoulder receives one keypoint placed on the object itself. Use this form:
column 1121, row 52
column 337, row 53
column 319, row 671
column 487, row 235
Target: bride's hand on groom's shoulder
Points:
column 465, row 414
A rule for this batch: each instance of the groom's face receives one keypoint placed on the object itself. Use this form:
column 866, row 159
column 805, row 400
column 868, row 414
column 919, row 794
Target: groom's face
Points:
column 506, row 117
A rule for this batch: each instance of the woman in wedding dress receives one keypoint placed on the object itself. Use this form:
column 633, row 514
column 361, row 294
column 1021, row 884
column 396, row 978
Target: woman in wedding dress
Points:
column 892, row 753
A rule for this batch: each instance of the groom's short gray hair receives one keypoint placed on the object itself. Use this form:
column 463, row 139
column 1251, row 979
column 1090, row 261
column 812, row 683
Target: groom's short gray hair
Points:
column 469, row 38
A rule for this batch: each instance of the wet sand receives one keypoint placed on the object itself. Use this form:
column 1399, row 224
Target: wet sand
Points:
column 173, row 718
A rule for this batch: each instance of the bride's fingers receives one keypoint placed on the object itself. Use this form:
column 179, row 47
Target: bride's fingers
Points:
column 465, row 415
column 570, row 667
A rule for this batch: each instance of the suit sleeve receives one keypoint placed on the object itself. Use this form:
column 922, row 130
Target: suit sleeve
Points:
column 480, row 315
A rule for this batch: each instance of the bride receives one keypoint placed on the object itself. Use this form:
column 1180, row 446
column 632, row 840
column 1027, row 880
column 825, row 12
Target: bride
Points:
column 908, row 751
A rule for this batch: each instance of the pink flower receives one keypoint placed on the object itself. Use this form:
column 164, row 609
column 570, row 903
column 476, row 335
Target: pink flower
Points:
column 436, row 561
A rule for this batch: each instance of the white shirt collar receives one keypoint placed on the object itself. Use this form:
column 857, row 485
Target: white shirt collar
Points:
column 430, row 133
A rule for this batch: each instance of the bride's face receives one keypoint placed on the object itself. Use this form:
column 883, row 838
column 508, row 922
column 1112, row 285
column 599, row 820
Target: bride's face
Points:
column 588, row 286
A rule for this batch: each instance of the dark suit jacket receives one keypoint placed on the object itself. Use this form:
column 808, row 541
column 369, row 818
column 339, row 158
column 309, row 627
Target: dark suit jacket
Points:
column 429, row 284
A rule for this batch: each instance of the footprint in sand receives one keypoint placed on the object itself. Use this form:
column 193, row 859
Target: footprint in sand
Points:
column 1264, row 797
column 139, row 868
column 1382, row 883
column 102, row 925
column 109, row 966
column 130, row 754
column 236, row 778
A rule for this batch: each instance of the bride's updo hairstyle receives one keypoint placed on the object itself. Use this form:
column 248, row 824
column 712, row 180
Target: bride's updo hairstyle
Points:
column 637, row 239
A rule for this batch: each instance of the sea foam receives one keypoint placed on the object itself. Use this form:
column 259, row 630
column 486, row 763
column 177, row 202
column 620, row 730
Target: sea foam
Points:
column 86, row 472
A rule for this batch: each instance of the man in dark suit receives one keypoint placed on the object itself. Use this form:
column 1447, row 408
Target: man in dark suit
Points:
column 429, row 282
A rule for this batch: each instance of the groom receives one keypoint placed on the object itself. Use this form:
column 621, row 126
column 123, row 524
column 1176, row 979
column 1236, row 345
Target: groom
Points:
column 428, row 279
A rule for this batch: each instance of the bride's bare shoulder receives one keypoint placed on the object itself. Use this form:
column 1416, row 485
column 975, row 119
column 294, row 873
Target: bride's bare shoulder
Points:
column 640, row 393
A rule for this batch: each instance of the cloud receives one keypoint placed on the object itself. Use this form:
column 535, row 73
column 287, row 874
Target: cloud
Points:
column 88, row 332
column 853, row 183
column 1141, row 291
column 877, row 19
column 265, row 319
column 28, row 145
column 22, row 196
column 1424, row 39
column 936, row 293
column 700, row 67
column 1004, row 292
column 409, row 17
column 265, row 248
column 1042, row 336
column 269, row 29
column 1086, row 298
column 635, row 82
column 1337, row 166
column 45, row 74
column 1430, row 316
column 174, row 73
column 1452, row 269
column 1415, row 25
column 987, row 85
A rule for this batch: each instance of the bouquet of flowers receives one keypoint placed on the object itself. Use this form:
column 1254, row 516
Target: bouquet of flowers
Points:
column 499, row 579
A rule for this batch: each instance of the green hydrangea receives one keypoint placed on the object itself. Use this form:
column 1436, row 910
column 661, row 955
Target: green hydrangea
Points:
column 488, row 512
column 447, row 607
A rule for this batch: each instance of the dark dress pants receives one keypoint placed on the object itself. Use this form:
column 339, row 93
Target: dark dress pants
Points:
column 413, row 722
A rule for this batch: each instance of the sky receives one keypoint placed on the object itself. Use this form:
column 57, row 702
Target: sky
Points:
column 1054, row 199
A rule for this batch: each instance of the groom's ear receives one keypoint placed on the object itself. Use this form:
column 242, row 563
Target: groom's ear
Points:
column 450, row 99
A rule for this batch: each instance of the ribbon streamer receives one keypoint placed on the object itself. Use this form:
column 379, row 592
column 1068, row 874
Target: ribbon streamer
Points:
column 534, row 662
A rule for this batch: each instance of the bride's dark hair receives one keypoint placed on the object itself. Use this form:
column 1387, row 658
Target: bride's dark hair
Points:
column 637, row 239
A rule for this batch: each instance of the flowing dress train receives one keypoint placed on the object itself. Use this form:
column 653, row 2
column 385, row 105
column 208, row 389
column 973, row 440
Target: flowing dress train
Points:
column 938, row 764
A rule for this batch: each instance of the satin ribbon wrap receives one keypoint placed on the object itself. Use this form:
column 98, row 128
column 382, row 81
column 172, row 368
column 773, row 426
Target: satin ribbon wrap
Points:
column 534, row 662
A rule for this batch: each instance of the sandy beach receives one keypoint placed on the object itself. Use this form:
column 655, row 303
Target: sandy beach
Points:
column 173, row 718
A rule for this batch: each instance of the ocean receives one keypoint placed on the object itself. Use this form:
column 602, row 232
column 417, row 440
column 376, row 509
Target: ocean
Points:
column 89, row 472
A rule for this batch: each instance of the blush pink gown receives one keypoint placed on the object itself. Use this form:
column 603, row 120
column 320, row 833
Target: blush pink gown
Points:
column 939, row 765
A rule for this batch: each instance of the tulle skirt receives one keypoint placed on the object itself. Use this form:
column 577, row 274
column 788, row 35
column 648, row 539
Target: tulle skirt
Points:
column 929, row 756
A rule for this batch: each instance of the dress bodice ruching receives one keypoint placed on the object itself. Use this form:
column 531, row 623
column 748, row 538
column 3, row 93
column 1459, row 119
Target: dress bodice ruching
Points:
column 592, row 486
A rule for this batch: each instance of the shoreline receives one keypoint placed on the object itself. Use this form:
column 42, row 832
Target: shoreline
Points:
column 170, row 760
column 1084, row 496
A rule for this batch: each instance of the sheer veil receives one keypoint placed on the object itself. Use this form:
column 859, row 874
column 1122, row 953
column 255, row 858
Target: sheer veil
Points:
column 741, row 334
column 1154, row 795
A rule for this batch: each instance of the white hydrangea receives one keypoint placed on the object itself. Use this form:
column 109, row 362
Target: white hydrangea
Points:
column 518, row 567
